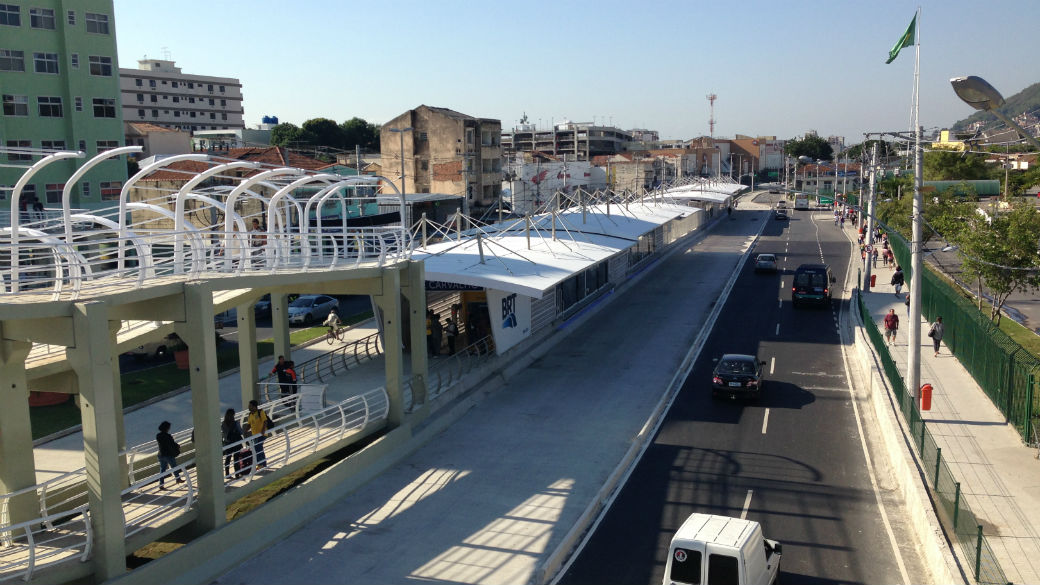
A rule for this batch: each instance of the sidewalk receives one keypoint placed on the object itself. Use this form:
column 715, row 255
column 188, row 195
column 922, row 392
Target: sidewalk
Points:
column 1000, row 478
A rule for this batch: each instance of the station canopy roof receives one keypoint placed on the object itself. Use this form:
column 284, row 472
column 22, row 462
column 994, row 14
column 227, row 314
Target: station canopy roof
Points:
column 512, row 264
column 713, row 193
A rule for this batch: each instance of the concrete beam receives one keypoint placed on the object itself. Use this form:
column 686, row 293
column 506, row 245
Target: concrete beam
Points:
column 280, row 324
column 248, row 367
column 389, row 302
column 413, row 288
column 51, row 330
column 17, row 465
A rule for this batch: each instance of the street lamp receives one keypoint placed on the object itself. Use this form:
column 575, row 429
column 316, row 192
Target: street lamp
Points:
column 979, row 94
column 401, row 132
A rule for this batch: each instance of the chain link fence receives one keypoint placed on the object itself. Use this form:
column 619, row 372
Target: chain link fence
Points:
column 1004, row 370
column 960, row 522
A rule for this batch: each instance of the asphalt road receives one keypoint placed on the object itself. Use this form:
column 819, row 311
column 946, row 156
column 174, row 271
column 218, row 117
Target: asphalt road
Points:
column 793, row 461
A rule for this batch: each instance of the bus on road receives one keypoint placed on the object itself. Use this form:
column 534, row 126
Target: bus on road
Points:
column 801, row 201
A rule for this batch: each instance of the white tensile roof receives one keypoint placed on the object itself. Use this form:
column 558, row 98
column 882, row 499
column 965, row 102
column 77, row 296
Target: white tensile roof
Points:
column 510, row 265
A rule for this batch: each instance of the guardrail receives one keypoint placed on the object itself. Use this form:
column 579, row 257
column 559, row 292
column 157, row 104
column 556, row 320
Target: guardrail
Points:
column 954, row 510
column 328, row 365
column 446, row 371
column 62, row 531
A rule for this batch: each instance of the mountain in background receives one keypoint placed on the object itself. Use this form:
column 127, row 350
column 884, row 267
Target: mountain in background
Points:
column 1027, row 100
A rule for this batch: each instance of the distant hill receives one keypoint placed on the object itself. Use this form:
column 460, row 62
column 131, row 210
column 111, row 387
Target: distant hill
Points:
column 1027, row 100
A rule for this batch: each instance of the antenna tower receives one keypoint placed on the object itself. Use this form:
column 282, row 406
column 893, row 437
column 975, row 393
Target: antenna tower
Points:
column 711, row 117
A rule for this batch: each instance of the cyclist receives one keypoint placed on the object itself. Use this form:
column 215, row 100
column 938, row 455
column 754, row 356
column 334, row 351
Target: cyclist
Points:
column 332, row 322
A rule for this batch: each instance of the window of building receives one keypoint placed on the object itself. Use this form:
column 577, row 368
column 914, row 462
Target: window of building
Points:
column 97, row 23
column 14, row 156
column 176, row 113
column 192, row 114
column 140, row 113
column 10, row 15
column 5, row 191
column 422, row 137
column 103, row 145
column 83, row 145
column 173, row 84
column 52, row 144
column 211, row 101
column 151, row 83
column 223, row 116
column 176, row 99
column 74, row 60
column 84, row 189
column 424, row 165
column 104, row 107
column 213, row 116
column 79, row 103
column 45, row 62
column 155, row 113
column 49, row 106
column 52, row 192
column 154, row 98
column 41, row 18
column 164, row 82
column 222, row 89
column 469, row 136
column 140, row 98
column 29, row 192
column 71, row 16
column 110, row 190
column 101, row 66
column 11, row 60
column 16, row 105
column 191, row 85
column 138, row 82
column 209, row 87
column 223, row 102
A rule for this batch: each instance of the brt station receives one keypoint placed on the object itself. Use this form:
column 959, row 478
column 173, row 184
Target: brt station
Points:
column 81, row 287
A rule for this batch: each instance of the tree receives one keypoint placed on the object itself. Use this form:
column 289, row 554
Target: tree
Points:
column 358, row 132
column 811, row 146
column 1001, row 252
column 885, row 149
column 943, row 165
column 325, row 132
column 285, row 134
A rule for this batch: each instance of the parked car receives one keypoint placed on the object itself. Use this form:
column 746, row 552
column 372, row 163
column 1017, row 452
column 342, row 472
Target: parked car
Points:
column 765, row 263
column 737, row 375
column 812, row 285
column 262, row 308
column 158, row 349
column 309, row 309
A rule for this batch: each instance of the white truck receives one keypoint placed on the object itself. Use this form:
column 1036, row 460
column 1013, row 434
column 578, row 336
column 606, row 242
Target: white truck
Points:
column 719, row 549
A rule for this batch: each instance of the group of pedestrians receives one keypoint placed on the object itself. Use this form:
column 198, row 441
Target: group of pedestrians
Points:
column 436, row 333
column 285, row 372
column 256, row 426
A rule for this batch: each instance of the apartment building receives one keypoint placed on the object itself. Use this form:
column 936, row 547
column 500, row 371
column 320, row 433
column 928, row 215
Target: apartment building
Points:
column 158, row 92
column 444, row 151
column 569, row 140
column 60, row 91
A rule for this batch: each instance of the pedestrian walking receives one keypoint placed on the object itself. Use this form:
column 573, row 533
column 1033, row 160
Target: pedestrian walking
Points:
column 908, row 307
column 874, row 252
column 429, row 333
column 230, row 435
column 452, row 331
column 290, row 375
column 438, row 333
column 891, row 322
column 842, row 221
column 168, row 452
column 279, row 371
column 897, row 280
column 936, row 332
column 257, row 425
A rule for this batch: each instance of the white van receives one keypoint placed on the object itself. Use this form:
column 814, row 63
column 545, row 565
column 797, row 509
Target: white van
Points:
column 717, row 550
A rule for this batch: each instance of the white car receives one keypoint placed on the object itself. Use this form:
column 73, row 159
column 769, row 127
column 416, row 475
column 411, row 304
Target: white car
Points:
column 310, row 309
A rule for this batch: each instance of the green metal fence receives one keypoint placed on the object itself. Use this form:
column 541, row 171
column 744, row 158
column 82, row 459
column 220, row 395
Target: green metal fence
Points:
column 961, row 524
column 1002, row 368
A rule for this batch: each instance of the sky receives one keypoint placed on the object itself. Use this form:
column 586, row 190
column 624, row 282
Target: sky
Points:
column 779, row 68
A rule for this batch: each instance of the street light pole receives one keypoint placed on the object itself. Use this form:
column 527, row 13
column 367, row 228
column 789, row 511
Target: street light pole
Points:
column 913, row 369
column 979, row 94
column 401, row 131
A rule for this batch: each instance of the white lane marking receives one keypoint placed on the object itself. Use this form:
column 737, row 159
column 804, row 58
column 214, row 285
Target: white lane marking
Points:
column 781, row 284
column 871, row 472
column 747, row 504
column 780, row 303
column 772, row 363
column 765, row 421
column 778, row 329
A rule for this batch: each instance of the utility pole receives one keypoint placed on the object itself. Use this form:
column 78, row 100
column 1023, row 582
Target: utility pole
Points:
column 870, row 220
column 913, row 369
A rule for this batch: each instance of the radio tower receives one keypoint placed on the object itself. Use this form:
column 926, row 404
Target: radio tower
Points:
column 711, row 119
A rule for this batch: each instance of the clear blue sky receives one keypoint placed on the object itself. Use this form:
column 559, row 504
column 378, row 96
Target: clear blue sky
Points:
column 778, row 67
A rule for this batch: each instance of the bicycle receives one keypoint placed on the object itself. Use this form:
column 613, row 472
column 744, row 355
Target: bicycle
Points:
column 334, row 335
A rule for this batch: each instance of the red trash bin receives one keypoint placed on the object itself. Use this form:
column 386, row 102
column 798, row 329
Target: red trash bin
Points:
column 873, row 280
column 926, row 397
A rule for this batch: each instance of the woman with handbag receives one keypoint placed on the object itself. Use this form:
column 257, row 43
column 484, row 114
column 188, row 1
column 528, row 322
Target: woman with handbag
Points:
column 936, row 333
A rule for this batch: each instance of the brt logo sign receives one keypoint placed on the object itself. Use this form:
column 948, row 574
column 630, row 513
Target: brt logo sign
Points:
column 509, row 311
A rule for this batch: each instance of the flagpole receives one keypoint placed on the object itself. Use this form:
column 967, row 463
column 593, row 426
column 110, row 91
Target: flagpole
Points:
column 913, row 373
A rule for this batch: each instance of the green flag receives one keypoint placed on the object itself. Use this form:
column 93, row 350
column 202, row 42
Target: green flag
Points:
column 904, row 41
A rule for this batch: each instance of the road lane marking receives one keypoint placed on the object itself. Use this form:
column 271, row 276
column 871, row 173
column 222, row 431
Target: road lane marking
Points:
column 777, row 329
column 781, row 284
column 772, row 363
column 747, row 504
column 765, row 421
column 780, row 303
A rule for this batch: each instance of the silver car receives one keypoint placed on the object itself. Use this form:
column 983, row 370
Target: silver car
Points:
column 765, row 263
column 310, row 309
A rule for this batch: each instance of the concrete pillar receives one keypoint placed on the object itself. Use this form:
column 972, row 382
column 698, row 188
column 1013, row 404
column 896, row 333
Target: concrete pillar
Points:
column 17, row 465
column 200, row 335
column 280, row 325
column 389, row 301
column 413, row 287
column 91, row 358
column 248, row 369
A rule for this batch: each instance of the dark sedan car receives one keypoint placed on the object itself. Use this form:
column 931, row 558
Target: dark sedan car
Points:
column 737, row 375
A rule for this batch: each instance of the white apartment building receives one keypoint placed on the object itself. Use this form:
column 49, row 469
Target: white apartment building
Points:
column 158, row 93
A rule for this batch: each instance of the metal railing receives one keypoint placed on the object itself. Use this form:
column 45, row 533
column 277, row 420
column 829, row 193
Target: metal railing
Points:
column 448, row 371
column 961, row 524
column 62, row 531
column 1004, row 370
column 327, row 365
